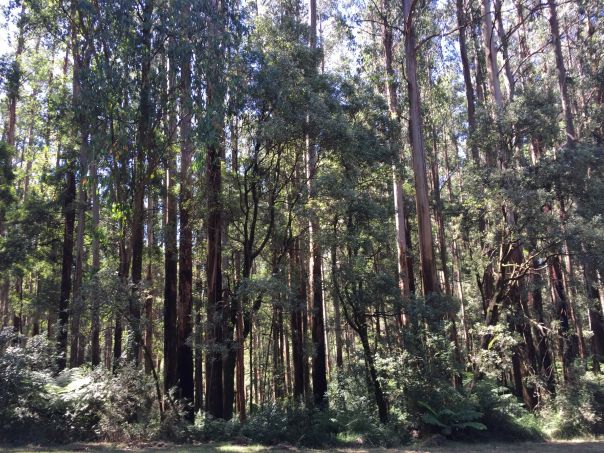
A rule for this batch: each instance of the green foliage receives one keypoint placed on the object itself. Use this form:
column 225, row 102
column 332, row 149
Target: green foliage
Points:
column 577, row 410
column 291, row 423
column 503, row 415
column 271, row 424
column 452, row 422
column 353, row 409
column 36, row 404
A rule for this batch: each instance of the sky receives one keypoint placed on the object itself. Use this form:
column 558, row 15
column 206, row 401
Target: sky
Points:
column 5, row 46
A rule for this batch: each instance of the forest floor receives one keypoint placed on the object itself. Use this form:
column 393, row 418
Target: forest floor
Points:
column 575, row 446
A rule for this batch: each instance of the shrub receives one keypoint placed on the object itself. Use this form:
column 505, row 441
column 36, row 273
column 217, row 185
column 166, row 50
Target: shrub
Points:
column 578, row 409
column 503, row 414
column 290, row 423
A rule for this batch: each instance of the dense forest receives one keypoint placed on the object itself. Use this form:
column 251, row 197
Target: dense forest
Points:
column 305, row 222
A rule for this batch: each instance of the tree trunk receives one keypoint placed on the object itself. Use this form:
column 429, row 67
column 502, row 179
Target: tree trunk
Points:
column 403, row 254
column 143, row 145
column 319, row 365
column 148, row 324
column 336, row 301
column 569, row 124
column 503, row 38
column 77, row 304
column 185, row 268
column 298, row 289
column 375, row 383
column 490, row 45
column 215, row 307
column 462, row 20
column 95, row 346
column 67, row 261
column 544, row 357
column 426, row 246
column 561, row 311
column 170, row 253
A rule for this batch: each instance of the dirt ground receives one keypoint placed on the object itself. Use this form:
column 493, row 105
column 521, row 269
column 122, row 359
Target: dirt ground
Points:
column 583, row 446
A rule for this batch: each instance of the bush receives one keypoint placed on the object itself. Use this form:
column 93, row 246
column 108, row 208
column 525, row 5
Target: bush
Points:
column 290, row 423
column 504, row 415
column 578, row 409
column 24, row 403
column 353, row 411
column 39, row 405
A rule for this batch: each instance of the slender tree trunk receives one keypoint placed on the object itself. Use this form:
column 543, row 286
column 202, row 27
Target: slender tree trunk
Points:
column 215, row 307
column 561, row 311
column 170, row 252
column 571, row 135
column 535, row 299
column 67, row 262
column 503, row 39
column 403, row 254
column 462, row 20
column 77, row 303
column 490, row 45
column 69, row 196
column 380, row 399
column 185, row 269
column 124, row 265
column 95, row 347
column 143, row 145
column 148, row 340
column 426, row 246
column 336, row 301
column 319, row 365
column 298, row 288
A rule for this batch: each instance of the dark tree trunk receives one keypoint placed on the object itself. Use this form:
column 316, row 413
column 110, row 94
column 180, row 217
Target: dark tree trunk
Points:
column 170, row 254
column 298, row 288
column 319, row 365
column 148, row 340
column 67, row 262
column 95, row 346
column 462, row 21
column 544, row 357
column 380, row 400
column 215, row 307
column 144, row 145
column 561, row 312
column 185, row 269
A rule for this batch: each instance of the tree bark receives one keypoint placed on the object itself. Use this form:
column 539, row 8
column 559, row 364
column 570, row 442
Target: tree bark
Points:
column 462, row 20
column 319, row 365
column 170, row 251
column 215, row 307
column 298, row 288
column 426, row 247
column 403, row 254
column 490, row 45
column 95, row 345
column 148, row 324
column 69, row 195
column 143, row 147
column 185, row 268
column 571, row 135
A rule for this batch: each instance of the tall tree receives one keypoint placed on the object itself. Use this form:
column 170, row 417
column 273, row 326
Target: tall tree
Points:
column 426, row 246
column 185, row 259
column 319, row 359
column 405, row 263
column 216, row 305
